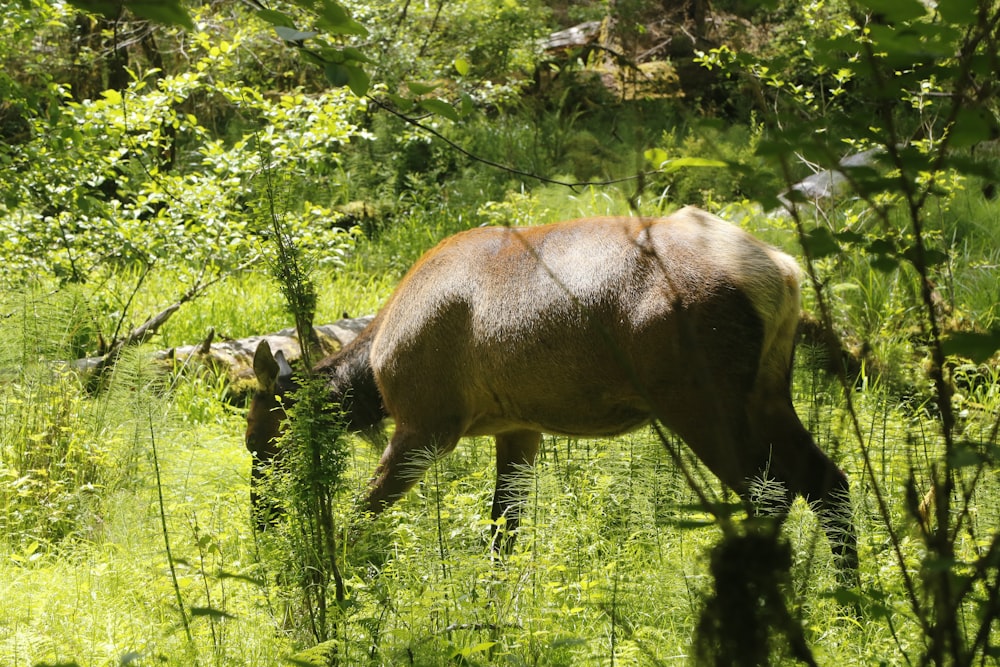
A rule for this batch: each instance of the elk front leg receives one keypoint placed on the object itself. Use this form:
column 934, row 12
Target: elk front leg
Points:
column 405, row 460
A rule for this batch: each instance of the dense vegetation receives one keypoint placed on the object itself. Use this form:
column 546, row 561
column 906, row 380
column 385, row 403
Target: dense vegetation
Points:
column 266, row 166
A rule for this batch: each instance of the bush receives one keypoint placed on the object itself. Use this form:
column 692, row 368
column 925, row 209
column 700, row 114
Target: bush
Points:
column 54, row 459
column 746, row 176
column 142, row 176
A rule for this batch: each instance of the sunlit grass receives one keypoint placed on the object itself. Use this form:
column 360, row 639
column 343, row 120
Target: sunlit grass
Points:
column 607, row 567
column 601, row 567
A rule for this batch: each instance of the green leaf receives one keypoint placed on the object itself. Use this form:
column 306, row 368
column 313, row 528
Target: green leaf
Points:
column 971, row 166
column 896, row 10
column 935, row 257
column 316, row 57
column 462, row 66
column 440, row 108
column 293, row 35
column 902, row 44
column 471, row 650
column 958, row 12
column 821, row 243
column 795, row 196
column 932, row 257
column 773, row 148
column 873, row 186
column 112, row 96
column 357, row 80
column 832, row 51
column 982, row 64
column 404, row 104
column 107, row 8
column 337, row 75
column 335, row 19
column 656, row 157
column 418, row 88
column 971, row 126
column 276, row 18
column 881, row 247
column 973, row 345
column 670, row 166
column 767, row 200
column 849, row 236
column 468, row 106
column 351, row 53
column 884, row 263
column 331, row 11
column 168, row 12
column 861, row 172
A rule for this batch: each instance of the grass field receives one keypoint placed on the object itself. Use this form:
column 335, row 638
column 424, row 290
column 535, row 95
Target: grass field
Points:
column 125, row 536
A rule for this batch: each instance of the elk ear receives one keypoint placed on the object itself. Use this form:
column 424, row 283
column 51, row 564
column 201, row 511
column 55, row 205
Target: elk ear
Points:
column 265, row 367
column 284, row 368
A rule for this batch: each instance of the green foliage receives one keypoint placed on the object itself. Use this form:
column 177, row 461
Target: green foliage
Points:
column 607, row 550
column 136, row 176
column 306, row 480
column 612, row 564
column 57, row 449
column 55, row 463
column 315, row 446
column 915, row 73
column 306, row 474
column 495, row 39
column 711, row 162
column 165, row 11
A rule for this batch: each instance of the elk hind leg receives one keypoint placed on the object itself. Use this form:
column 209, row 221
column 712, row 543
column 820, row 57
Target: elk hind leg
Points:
column 798, row 462
column 515, row 452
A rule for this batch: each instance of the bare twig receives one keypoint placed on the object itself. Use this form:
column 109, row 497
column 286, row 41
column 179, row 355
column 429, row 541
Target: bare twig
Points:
column 152, row 325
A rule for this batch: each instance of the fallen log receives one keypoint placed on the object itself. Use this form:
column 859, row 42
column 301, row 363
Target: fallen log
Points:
column 235, row 357
column 830, row 183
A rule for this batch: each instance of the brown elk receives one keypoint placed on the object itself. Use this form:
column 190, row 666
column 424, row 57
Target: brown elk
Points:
column 591, row 327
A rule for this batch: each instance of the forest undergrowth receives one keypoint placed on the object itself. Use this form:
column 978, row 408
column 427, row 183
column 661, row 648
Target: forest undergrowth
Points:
column 610, row 565
column 231, row 162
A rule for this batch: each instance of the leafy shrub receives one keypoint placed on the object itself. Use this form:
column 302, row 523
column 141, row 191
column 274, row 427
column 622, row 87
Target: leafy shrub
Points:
column 55, row 459
column 741, row 173
column 493, row 38
column 516, row 210
column 137, row 176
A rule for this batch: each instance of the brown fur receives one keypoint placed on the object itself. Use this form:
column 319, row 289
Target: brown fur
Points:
column 594, row 327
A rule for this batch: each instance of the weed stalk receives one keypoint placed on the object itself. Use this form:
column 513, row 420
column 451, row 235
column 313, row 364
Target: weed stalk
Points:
column 185, row 623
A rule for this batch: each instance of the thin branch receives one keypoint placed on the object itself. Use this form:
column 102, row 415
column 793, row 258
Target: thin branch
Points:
column 149, row 328
column 496, row 165
column 128, row 303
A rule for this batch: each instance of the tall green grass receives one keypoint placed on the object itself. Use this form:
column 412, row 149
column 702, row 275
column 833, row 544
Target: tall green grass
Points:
column 606, row 567
column 611, row 564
